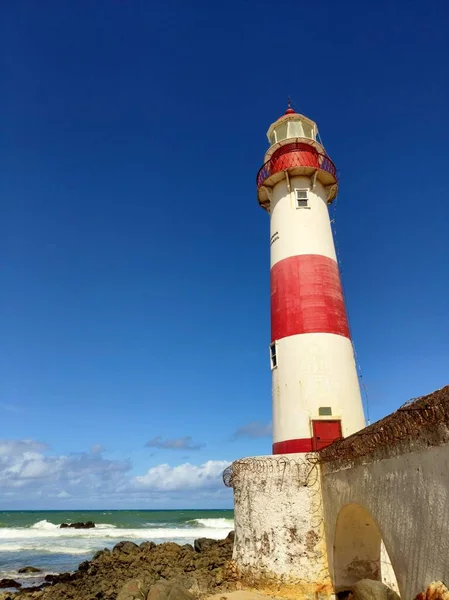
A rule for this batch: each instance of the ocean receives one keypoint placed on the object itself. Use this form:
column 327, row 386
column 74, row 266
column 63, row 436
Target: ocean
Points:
column 34, row 538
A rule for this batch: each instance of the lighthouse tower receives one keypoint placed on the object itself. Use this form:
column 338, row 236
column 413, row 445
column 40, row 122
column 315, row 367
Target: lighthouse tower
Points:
column 316, row 394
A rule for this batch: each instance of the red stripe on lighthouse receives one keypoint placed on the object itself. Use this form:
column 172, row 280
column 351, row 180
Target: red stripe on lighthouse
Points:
column 306, row 297
column 293, row 446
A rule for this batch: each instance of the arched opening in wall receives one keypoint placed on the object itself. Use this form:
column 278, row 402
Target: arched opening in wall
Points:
column 359, row 552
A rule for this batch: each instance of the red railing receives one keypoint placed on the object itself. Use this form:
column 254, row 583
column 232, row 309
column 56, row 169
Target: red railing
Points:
column 296, row 154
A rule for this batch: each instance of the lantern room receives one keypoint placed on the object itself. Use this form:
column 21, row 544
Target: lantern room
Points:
column 291, row 125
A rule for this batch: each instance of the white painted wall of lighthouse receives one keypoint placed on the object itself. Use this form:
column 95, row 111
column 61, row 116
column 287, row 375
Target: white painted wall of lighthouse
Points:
column 314, row 370
column 295, row 231
column 317, row 369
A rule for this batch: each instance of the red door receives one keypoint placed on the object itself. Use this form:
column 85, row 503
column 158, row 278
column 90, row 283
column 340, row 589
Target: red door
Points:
column 325, row 432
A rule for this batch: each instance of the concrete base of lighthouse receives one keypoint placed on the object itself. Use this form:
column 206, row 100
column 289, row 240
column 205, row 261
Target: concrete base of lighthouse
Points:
column 279, row 537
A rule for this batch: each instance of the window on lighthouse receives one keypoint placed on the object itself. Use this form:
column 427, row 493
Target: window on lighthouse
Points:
column 281, row 131
column 273, row 356
column 295, row 129
column 302, row 198
column 308, row 131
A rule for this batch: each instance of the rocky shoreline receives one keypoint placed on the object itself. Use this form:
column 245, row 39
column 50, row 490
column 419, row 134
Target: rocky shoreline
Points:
column 170, row 571
column 131, row 572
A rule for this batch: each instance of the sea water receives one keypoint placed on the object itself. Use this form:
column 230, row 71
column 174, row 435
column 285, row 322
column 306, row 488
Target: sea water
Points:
column 34, row 538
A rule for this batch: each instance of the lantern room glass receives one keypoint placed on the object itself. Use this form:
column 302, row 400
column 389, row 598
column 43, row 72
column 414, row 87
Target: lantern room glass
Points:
column 293, row 128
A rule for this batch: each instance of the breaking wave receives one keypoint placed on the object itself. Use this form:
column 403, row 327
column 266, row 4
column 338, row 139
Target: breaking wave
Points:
column 45, row 549
column 46, row 537
column 215, row 523
column 47, row 526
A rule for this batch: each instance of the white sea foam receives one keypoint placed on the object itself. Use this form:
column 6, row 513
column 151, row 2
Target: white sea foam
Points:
column 47, row 526
column 47, row 537
column 45, row 549
column 27, row 577
column 44, row 525
column 215, row 523
column 22, row 533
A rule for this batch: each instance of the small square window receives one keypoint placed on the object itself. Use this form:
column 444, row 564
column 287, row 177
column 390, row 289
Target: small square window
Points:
column 302, row 198
column 273, row 355
column 325, row 411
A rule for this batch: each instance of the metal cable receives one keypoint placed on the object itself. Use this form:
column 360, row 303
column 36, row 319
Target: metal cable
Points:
column 356, row 359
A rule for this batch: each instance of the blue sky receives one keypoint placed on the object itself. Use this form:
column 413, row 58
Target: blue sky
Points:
column 135, row 258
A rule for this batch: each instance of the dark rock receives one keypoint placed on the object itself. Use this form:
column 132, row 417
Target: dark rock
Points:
column 230, row 537
column 187, row 547
column 62, row 577
column 9, row 583
column 29, row 570
column 34, row 588
column 86, row 525
column 126, row 548
column 101, row 554
column 368, row 589
column 166, row 590
column 204, row 544
column 147, row 546
column 134, row 589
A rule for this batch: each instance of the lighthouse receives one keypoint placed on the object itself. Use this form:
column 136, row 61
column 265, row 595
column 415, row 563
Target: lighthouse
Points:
column 279, row 514
column 315, row 388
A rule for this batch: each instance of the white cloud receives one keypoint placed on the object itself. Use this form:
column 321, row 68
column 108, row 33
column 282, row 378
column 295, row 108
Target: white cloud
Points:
column 30, row 475
column 183, row 443
column 97, row 449
column 12, row 448
column 183, row 477
column 63, row 494
column 255, row 429
column 34, row 468
column 27, row 464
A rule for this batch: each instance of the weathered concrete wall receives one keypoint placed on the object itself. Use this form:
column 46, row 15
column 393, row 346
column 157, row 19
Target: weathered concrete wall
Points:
column 401, row 490
column 279, row 537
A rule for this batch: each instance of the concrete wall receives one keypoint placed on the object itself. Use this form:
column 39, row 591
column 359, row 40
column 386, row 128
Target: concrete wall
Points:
column 399, row 493
column 279, row 537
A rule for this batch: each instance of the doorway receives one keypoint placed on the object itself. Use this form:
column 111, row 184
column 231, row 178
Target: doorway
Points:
column 325, row 432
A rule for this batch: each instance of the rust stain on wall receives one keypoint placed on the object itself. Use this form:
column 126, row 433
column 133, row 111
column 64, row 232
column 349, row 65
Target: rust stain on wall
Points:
column 311, row 541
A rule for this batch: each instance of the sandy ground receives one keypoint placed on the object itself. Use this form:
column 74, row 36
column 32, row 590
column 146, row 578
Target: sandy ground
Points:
column 241, row 595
